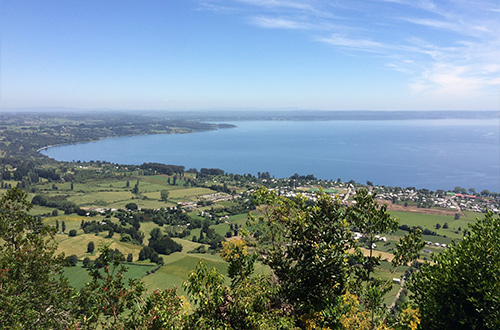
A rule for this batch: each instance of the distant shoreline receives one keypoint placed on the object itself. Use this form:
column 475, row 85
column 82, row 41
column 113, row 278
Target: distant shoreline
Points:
column 392, row 153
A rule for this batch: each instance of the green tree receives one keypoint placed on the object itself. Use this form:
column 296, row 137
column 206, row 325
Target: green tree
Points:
column 33, row 292
column 206, row 290
column 155, row 234
column 135, row 190
column 160, row 310
column 63, row 226
column 90, row 247
column 307, row 247
column 72, row 260
column 86, row 262
column 107, row 301
column 72, row 232
column 461, row 288
column 164, row 195
column 485, row 192
column 311, row 249
column 131, row 206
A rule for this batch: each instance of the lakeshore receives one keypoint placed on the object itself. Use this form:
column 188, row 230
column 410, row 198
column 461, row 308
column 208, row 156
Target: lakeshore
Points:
column 430, row 154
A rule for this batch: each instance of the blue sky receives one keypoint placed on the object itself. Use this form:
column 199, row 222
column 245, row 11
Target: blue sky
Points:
column 251, row 54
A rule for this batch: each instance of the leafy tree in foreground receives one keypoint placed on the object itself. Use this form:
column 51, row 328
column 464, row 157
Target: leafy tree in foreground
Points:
column 372, row 220
column 461, row 289
column 206, row 290
column 312, row 252
column 307, row 247
column 249, row 303
column 107, row 301
column 33, row 292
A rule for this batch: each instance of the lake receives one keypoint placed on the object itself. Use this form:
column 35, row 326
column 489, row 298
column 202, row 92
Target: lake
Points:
column 432, row 154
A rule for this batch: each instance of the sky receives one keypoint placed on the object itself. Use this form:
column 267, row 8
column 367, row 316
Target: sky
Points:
column 251, row 54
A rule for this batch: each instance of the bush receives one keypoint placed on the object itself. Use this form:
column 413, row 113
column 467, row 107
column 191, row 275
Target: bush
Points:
column 72, row 260
column 72, row 233
column 460, row 290
column 86, row 262
column 165, row 245
column 90, row 247
column 131, row 206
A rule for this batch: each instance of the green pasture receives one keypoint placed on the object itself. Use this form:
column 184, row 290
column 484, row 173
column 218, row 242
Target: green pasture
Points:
column 226, row 204
column 163, row 179
column 221, row 229
column 101, row 198
column 385, row 272
column 72, row 221
column 189, row 193
column 78, row 276
column 194, row 232
column 146, row 228
column 38, row 210
column 89, row 186
column 78, row 245
column 174, row 273
column 155, row 195
column 430, row 220
column 327, row 191
column 143, row 203
column 240, row 219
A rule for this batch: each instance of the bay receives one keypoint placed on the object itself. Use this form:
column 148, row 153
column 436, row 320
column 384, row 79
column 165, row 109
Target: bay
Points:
column 432, row 154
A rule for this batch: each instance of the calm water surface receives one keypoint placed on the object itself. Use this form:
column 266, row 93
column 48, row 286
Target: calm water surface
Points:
column 433, row 154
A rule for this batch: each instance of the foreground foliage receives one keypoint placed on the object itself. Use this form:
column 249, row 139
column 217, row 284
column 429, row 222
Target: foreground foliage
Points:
column 461, row 289
column 33, row 292
column 322, row 277
column 312, row 251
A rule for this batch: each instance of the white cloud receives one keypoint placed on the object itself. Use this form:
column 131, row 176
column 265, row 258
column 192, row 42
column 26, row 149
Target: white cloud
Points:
column 300, row 5
column 276, row 23
column 365, row 45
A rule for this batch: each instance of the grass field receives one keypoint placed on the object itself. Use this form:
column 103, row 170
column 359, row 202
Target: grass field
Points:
column 189, row 193
column 101, row 198
column 78, row 245
column 176, row 270
column 430, row 220
column 78, row 276
column 36, row 210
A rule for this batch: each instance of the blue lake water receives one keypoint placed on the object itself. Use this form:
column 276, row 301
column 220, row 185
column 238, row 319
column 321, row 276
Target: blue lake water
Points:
column 433, row 154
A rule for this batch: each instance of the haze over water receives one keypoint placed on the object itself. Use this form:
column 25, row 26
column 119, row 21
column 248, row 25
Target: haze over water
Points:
column 432, row 154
